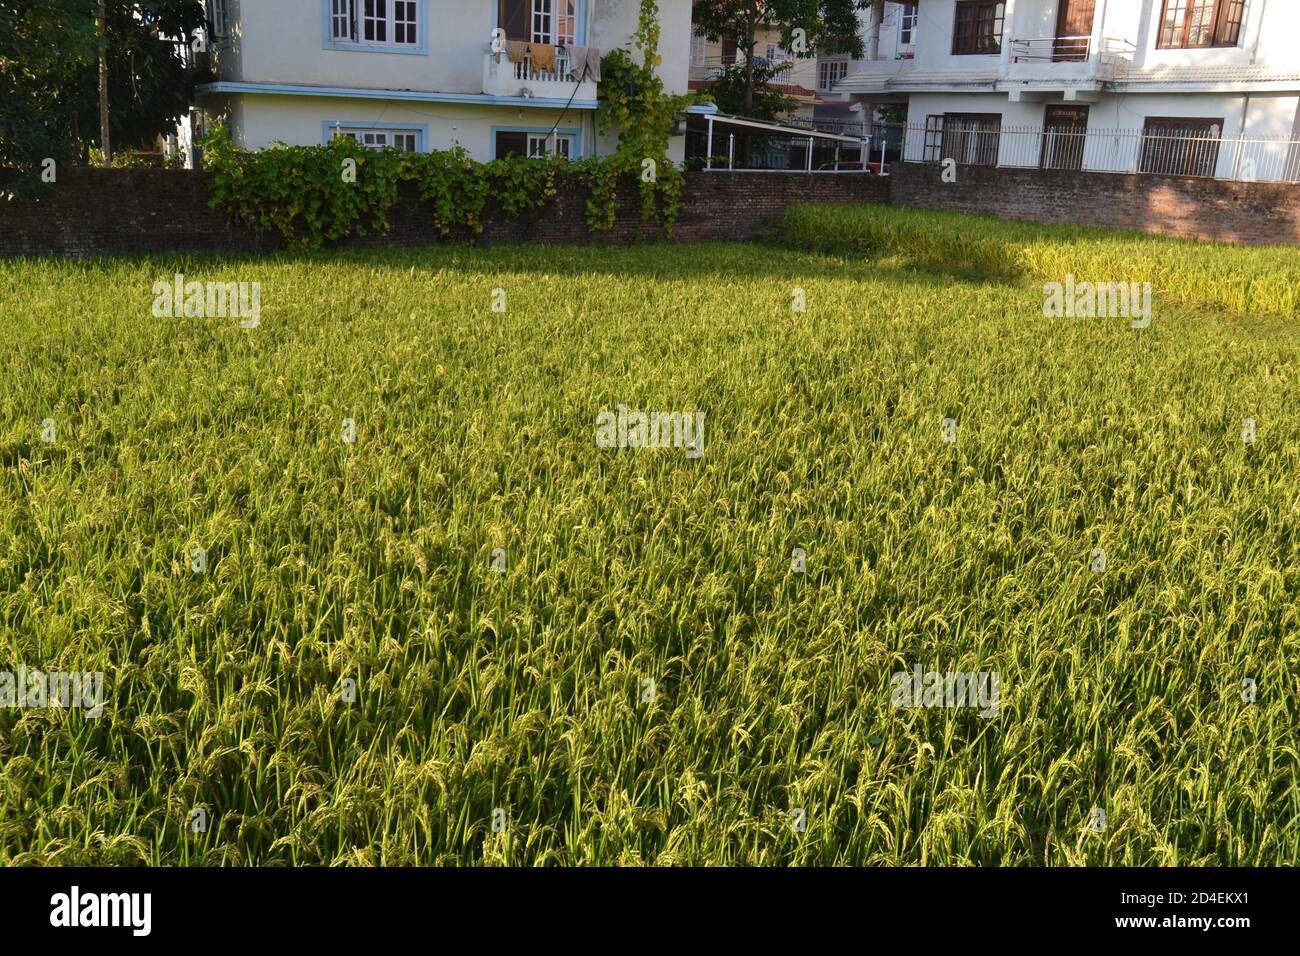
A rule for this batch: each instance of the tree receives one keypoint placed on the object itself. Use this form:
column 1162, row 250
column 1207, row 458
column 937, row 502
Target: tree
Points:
column 729, row 89
column 808, row 27
column 148, row 86
column 49, row 77
column 43, row 46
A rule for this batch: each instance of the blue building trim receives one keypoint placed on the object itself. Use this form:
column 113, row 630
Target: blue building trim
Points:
column 413, row 96
column 420, row 49
column 420, row 129
column 563, row 131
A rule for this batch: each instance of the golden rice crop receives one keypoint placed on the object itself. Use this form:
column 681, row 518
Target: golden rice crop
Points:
column 648, row 681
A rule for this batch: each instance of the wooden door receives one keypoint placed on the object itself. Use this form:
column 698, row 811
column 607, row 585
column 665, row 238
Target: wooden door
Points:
column 1073, row 29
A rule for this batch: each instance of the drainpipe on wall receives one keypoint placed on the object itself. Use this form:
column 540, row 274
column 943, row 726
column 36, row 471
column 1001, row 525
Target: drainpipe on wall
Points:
column 1263, row 12
column 1241, row 137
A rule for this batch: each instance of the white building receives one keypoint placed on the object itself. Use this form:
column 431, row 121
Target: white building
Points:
column 422, row 74
column 1188, row 87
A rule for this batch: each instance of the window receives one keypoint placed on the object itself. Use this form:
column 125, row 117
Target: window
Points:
column 933, row 138
column 971, row 138
column 539, row 21
column 535, row 145
column 830, row 72
column 379, row 22
column 907, row 17
column 343, row 20
column 407, row 140
column 775, row 54
column 541, row 145
column 699, row 49
column 977, row 27
column 566, row 22
column 1179, row 146
column 1201, row 23
column 218, row 17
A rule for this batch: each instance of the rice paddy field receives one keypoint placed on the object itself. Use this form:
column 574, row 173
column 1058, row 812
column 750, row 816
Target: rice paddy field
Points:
column 472, row 635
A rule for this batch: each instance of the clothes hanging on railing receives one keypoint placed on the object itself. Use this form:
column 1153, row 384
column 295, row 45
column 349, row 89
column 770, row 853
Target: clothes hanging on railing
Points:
column 516, row 50
column 543, row 56
column 587, row 57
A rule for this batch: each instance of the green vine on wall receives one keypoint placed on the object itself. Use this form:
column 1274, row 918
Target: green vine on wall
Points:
column 317, row 194
column 632, row 97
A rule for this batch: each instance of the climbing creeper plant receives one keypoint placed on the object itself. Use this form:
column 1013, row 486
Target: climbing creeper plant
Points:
column 633, row 98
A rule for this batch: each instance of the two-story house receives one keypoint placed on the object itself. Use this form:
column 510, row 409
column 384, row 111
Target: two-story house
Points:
column 495, row 77
column 1112, row 85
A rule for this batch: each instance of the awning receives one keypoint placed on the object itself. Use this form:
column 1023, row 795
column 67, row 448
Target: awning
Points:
column 797, row 132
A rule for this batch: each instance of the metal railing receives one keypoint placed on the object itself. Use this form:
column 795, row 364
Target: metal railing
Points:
column 843, row 127
column 524, row 71
column 1050, row 49
column 1166, row 150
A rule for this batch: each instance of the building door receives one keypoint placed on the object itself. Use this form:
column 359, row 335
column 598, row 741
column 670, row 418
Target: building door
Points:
column 1065, row 130
column 1073, row 29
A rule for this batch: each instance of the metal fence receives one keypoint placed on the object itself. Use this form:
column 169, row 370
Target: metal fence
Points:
column 1168, row 148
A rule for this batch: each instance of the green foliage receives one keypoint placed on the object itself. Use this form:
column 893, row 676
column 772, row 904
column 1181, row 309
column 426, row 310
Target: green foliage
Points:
column 43, row 45
column 522, row 690
column 633, row 99
column 807, row 27
column 600, row 177
column 310, row 195
column 49, row 82
column 306, row 193
column 148, row 86
column 728, row 91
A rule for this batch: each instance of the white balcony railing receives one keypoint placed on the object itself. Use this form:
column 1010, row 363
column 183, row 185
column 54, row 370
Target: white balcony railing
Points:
column 504, row 77
column 1075, row 56
column 1051, row 49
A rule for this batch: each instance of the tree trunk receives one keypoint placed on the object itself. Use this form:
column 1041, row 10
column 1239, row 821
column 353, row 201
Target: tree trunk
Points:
column 751, row 27
column 105, row 145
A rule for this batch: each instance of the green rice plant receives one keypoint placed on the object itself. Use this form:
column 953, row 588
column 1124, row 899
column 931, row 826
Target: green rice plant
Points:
column 639, row 675
column 1239, row 279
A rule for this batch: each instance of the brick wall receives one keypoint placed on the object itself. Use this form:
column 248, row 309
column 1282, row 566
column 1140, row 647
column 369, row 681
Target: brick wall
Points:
column 123, row 211
column 1186, row 206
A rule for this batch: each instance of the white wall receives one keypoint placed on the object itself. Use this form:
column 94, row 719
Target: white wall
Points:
column 1257, row 115
column 299, row 120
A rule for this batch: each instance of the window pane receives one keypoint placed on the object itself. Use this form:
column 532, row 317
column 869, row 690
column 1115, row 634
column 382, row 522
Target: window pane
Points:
column 404, row 25
column 1171, row 30
column 566, row 22
column 375, row 21
column 511, row 144
column 542, row 21
column 342, row 20
column 1202, row 23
